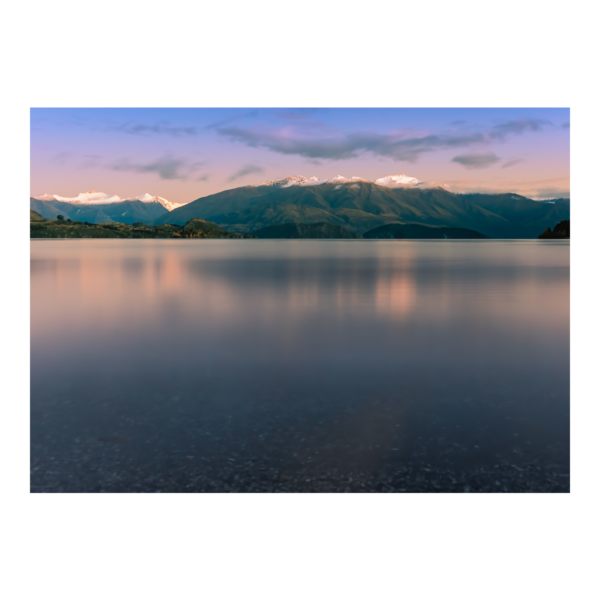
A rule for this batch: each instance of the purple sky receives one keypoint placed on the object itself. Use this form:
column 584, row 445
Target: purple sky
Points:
column 183, row 154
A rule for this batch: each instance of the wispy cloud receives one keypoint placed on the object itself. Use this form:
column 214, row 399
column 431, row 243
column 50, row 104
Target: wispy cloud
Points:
column 339, row 146
column 298, row 114
column 313, row 140
column 162, row 128
column 512, row 163
column 92, row 160
column 501, row 131
column 476, row 161
column 166, row 168
column 550, row 192
column 566, row 125
column 536, row 190
column 61, row 158
column 253, row 114
column 246, row 170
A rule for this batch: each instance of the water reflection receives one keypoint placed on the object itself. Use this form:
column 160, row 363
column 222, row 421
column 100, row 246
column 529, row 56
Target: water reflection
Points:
column 339, row 355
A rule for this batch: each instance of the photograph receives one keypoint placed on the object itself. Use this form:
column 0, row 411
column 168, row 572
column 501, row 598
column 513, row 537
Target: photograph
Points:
column 298, row 300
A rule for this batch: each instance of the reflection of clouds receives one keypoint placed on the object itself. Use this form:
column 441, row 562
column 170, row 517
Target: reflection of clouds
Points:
column 396, row 296
column 216, row 289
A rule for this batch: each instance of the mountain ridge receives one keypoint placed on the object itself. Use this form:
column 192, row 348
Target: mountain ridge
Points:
column 125, row 211
column 100, row 198
column 361, row 206
column 350, row 202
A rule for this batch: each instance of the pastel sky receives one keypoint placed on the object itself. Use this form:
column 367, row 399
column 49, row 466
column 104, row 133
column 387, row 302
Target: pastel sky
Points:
column 185, row 153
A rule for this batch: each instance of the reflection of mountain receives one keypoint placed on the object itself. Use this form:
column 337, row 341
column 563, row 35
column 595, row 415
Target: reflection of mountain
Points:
column 361, row 205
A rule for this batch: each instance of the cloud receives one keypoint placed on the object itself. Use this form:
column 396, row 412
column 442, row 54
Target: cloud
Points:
column 566, row 125
column 246, row 170
column 512, row 163
column 339, row 146
column 297, row 114
column 536, row 190
column 166, row 168
column 61, row 158
column 499, row 132
column 547, row 193
column 476, row 161
column 162, row 128
column 253, row 114
column 92, row 160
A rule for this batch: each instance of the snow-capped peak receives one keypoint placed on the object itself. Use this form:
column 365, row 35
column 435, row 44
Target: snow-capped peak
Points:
column 397, row 180
column 166, row 203
column 337, row 179
column 92, row 197
column 145, row 197
column 95, row 197
column 286, row 182
column 391, row 181
column 342, row 179
column 313, row 181
column 303, row 181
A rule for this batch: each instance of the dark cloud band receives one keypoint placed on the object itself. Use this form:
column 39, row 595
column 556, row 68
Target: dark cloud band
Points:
column 476, row 161
column 165, row 168
column 342, row 146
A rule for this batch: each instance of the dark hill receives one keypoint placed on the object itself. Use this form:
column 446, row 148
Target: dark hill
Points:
column 562, row 231
column 362, row 206
column 306, row 231
column 399, row 231
column 35, row 216
column 199, row 228
column 523, row 215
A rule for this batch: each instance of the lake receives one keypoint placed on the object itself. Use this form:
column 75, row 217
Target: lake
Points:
column 299, row 366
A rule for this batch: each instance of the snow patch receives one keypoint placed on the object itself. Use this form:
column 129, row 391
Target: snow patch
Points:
column 94, row 197
column 284, row 183
column 393, row 181
column 166, row 203
column 389, row 181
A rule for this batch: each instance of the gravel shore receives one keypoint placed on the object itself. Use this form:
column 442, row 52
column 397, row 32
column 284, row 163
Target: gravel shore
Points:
column 110, row 469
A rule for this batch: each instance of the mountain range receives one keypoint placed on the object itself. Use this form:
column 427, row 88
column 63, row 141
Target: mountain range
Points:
column 98, row 207
column 353, row 203
column 362, row 205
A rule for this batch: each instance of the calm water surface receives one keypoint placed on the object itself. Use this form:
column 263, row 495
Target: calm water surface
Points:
column 258, row 365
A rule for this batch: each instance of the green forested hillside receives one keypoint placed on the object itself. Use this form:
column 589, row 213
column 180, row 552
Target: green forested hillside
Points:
column 306, row 231
column 362, row 206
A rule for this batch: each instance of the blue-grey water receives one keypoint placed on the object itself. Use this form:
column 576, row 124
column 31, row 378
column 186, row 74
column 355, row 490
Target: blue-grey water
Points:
column 299, row 365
